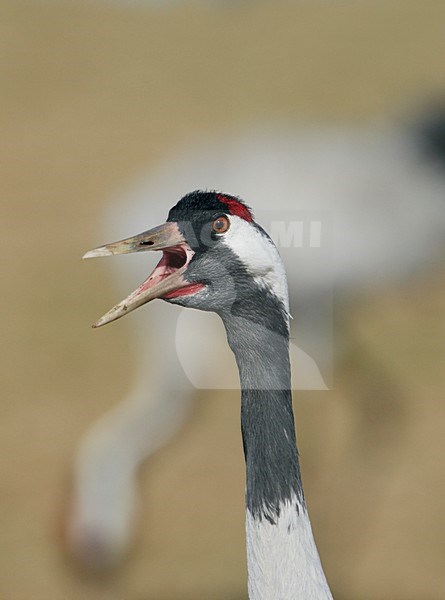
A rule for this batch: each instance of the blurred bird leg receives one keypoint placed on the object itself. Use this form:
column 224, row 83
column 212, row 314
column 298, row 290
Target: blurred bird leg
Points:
column 104, row 500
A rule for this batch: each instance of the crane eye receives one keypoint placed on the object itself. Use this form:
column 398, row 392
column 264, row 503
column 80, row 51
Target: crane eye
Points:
column 221, row 224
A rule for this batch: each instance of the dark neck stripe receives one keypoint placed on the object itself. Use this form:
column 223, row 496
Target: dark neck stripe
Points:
column 272, row 466
column 261, row 348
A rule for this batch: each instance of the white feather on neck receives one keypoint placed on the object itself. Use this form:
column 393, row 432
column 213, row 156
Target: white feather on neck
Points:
column 282, row 559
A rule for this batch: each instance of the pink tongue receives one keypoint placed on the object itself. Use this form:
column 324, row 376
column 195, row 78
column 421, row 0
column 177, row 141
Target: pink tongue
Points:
column 160, row 272
column 148, row 283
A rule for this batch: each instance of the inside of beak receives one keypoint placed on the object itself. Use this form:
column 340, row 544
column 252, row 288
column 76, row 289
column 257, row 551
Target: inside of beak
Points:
column 165, row 281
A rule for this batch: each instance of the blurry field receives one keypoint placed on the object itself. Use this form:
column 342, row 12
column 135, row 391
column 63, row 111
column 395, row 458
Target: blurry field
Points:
column 90, row 96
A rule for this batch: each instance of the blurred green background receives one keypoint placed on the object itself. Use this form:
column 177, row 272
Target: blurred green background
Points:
column 91, row 94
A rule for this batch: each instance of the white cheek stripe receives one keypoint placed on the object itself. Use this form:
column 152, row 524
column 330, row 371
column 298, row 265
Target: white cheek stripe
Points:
column 260, row 257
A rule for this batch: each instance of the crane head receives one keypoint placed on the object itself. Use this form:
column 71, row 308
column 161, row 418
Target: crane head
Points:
column 212, row 254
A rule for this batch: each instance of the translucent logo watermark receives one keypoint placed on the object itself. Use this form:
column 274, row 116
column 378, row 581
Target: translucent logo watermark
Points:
column 295, row 234
column 304, row 242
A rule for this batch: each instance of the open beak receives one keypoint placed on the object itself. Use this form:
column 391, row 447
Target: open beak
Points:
column 166, row 281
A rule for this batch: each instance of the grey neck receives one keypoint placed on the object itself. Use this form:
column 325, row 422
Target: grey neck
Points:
column 267, row 421
column 282, row 558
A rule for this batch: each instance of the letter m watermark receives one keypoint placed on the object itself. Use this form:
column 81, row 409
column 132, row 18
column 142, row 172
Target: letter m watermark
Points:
column 290, row 234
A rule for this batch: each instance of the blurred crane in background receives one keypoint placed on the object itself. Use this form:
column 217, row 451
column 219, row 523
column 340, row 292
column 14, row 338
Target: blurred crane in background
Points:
column 350, row 209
